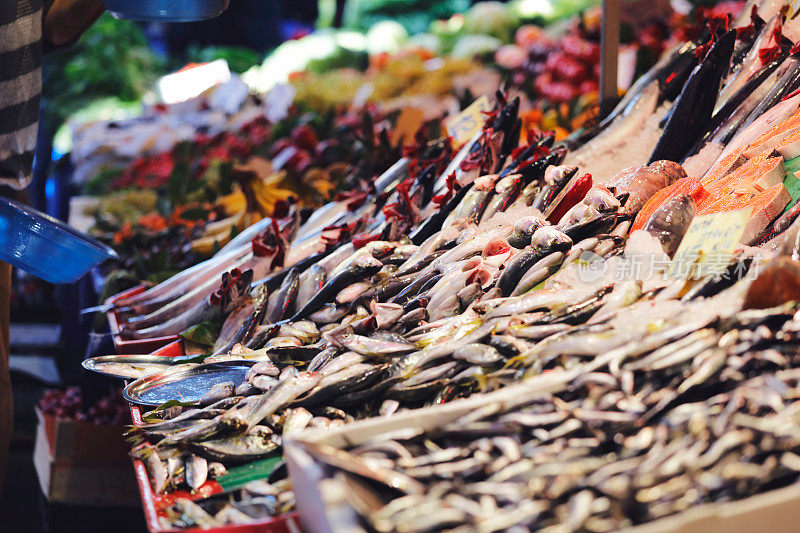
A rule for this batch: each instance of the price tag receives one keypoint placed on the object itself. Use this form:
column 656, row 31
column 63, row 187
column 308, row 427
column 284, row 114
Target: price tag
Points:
column 708, row 245
column 408, row 123
column 464, row 126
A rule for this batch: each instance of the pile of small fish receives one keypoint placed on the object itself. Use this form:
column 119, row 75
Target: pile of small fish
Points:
column 455, row 274
column 369, row 329
column 641, row 435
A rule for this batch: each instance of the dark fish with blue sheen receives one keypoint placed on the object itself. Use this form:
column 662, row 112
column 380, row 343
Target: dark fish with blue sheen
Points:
column 544, row 242
column 282, row 301
column 556, row 178
column 524, row 230
column 434, row 223
column 723, row 117
column 416, row 286
column 691, row 113
column 363, row 267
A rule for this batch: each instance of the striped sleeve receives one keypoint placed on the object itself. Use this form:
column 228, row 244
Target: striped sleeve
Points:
column 20, row 88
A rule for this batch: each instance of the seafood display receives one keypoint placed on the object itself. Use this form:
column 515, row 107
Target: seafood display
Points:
column 457, row 272
column 635, row 436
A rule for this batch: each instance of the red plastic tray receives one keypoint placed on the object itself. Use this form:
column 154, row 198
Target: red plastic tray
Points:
column 153, row 503
column 133, row 347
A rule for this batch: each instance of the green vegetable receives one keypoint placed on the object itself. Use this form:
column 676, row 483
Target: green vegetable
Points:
column 386, row 36
column 544, row 12
column 240, row 476
column 204, row 333
column 112, row 59
column 414, row 15
column 239, row 59
column 340, row 57
column 470, row 46
column 490, row 18
column 792, row 185
column 428, row 41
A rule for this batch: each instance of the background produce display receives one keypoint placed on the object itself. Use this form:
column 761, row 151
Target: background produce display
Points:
column 68, row 405
column 557, row 73
column 398, row 74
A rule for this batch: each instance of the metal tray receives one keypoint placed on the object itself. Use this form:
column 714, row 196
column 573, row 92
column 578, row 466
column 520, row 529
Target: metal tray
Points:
column 184, row 383
column 96, row 364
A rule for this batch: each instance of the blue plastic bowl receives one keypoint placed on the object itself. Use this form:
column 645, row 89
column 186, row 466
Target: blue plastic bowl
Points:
column 166, row 10
column 45, row 247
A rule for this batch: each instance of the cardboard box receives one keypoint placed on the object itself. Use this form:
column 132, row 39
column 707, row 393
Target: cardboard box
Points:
column 83, row 442
column 82, row 483
column 777, row 511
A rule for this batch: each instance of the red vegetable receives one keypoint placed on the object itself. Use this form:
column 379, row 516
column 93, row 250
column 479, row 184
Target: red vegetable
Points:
column 68, row 404
column 299, row 162
column 279, row 146
column 581, row 49
column 555, row 91
column 588, row 86
column 304, row 137
column 566, row 68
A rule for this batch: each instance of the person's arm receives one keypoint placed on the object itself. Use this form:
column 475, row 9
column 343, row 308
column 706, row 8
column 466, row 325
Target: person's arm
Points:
column 66, row 20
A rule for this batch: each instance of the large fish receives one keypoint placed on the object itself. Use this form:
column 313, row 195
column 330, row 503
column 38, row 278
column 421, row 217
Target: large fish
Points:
column 640, row 183
column 669, row 222
column 692, row 110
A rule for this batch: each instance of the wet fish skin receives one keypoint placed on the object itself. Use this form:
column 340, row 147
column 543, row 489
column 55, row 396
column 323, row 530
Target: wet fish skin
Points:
column 538, row 272
column 365, row 345
column 333, row 386
column 524, row 230
column 311, row 281
column 693, row 108
column 282, row 301
column 556, row 178
column 434, row 223
column 192, row 514
column 322, row 358
column 590, row 227
column 269, row 402
column 196, row 471
column 478, row 354
column 363, row 267
column 544, row 241
column 217, row 392
column 235, row 449
column 669, row 222
column 416, row 286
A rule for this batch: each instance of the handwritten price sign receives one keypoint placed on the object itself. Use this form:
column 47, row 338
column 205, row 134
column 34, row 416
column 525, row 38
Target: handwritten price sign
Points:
column 466, row 124
column 708, row 245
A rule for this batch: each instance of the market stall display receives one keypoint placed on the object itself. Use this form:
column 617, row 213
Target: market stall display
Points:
column 453, row 270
